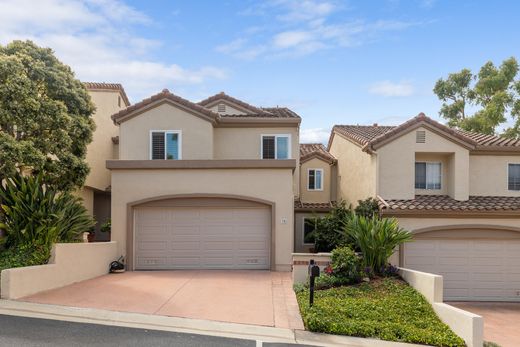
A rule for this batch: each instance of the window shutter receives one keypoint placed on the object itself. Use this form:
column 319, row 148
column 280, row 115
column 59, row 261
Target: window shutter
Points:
column 268, row 147
column 312, row 179
column 158, row 145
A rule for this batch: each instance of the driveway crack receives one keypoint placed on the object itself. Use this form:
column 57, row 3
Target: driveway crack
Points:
column 175, row 293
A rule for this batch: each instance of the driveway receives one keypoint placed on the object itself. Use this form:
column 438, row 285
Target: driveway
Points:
column 501, row 320
column 248, row 297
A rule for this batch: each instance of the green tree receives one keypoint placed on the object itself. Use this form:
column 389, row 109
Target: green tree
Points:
column 493, row 94
column 45, row 116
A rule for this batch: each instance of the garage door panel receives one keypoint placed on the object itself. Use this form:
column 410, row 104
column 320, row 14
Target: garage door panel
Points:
column 472, row 269
column 205, row 237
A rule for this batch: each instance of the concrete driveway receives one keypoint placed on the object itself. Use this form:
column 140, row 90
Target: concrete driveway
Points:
column 501, row 320
column 248, row 297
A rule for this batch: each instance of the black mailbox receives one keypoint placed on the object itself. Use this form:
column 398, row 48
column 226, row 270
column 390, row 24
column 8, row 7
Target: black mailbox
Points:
column 314, row 271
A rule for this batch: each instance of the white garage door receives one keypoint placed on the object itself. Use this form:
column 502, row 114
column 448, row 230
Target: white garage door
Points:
column 476, row 270
column 202, row 238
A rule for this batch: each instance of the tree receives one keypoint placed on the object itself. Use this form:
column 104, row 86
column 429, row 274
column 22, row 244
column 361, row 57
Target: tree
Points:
column 45, row 116
column 494, row 94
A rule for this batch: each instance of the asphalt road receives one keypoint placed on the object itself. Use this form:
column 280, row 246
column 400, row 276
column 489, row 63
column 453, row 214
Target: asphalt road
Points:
column 31, row 332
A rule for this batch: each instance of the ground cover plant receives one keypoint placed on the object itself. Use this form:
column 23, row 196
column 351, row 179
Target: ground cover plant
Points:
column 384, row 308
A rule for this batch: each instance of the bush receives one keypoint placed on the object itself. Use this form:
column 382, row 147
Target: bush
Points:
column 24, row 255
column 346, row 264
column 376, row 239
column 327, row 234
column 326, row 281
column 367, row 208
column 36, row 214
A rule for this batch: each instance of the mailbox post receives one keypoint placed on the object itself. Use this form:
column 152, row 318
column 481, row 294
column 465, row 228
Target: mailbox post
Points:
column 314, row 271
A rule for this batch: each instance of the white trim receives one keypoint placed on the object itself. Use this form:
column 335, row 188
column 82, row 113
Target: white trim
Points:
column 303, row 230
column 276, row 136
column 507, row 177
column 426, row 182
column 166, row 132
column 321, row 179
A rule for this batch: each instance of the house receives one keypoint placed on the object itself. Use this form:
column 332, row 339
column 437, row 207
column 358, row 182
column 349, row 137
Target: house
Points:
column 208, row 185
column 458, row 192
column 318, row 179
column 109, row 98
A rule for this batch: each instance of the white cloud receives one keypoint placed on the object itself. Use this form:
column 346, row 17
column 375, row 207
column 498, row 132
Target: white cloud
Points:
column 314, row 135
column 304, row 27
column 95, row 38
column 392, row 89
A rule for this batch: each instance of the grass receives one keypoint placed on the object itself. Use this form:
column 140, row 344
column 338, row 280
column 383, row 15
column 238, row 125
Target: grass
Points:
column 387, row 309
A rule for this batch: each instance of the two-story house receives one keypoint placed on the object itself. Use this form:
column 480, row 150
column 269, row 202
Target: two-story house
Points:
column 317, row 192
column 204, row 185
column 458, row 193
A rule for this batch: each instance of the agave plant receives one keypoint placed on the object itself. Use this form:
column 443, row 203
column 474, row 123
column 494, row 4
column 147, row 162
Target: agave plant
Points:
column 35, row 213
column 376, row 238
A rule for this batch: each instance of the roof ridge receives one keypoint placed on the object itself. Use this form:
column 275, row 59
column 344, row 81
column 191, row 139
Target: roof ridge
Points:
column 111, row 86
column 222, row 95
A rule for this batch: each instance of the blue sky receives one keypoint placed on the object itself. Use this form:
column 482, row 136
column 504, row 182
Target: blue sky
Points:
column 333, row 62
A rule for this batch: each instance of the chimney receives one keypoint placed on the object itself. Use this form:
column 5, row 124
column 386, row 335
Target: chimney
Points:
column 374, row 125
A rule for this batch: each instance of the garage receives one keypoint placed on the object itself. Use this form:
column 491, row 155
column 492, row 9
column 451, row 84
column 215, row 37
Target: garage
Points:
column 202, row 234
column 475, row 267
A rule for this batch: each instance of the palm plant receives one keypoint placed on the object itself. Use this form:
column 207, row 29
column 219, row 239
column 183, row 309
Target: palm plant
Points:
column 376, row 238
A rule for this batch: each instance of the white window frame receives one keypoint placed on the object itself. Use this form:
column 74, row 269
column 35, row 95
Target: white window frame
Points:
column 321, row 180
column 507, row 178
column 426, row 179
column 166, row 132
column 303, row 230
column 276, row 136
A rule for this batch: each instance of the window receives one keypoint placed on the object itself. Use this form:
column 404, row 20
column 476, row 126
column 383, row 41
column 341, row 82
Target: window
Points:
column 165, row 145
column 315, row 179
column 428, row 175
column 513, row 177
column 309, row 225
column 276, row 146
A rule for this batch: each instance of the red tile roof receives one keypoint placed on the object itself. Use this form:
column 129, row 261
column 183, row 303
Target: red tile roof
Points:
column 368, row 136
column 312, row 206
column 108, row 86
column 315, row 150
column 224, row 96
column 444, row 203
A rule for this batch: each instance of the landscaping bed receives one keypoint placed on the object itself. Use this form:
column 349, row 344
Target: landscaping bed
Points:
column 384, row 308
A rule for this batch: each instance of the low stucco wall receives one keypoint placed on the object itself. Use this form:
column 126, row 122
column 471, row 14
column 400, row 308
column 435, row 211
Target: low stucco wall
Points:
column 467, row 325
column 69, row 263
column 300, row 264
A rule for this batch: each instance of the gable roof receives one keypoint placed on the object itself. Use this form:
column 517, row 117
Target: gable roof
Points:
column 309, row 151
column 159, row 98
column 108, row 86
column 212, row 100
column 374, row 136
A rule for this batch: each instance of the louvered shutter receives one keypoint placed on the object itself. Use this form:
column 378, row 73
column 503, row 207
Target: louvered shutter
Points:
column 158, row 145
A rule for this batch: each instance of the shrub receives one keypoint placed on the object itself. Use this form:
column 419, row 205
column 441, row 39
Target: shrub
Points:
column 376, row 239
column 326, row 281
column 327, row 234
column 367, row 208
column 346, row 264
column 36, row 214
column 24, row 255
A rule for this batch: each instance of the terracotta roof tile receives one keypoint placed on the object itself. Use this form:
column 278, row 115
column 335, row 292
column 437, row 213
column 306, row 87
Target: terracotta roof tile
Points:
column 440, row 203
column 224, row 96
column 313, row 150
column 312, row 206
column 369, row 135
column 109, row 86
column 165, row 94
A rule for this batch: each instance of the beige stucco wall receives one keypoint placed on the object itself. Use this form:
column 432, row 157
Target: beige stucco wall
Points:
column 87, row 194
column 197, row 133
column 396, row 168
column 356, row 171
column 323, row 195
column 229, row 109
column 274, row 185
column 488, row 174
column 246, row 143
column 69, row 263
column 102, row 148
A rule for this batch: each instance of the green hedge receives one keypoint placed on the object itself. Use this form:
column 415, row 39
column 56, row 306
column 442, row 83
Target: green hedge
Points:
column 24, row 255
column 388, row 309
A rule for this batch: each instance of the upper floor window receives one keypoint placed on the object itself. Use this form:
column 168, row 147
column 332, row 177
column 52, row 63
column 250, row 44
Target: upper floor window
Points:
column 513, row 177
column 428, row 175
column 165, row 144
column 276, row 146
column 315, row 179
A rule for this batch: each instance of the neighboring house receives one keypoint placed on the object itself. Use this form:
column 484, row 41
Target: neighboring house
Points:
column 458, row 192
column 207, row 185
column 108, row 98
column 317, row 192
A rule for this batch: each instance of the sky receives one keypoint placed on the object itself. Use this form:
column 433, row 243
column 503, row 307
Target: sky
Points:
column 332, row 62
